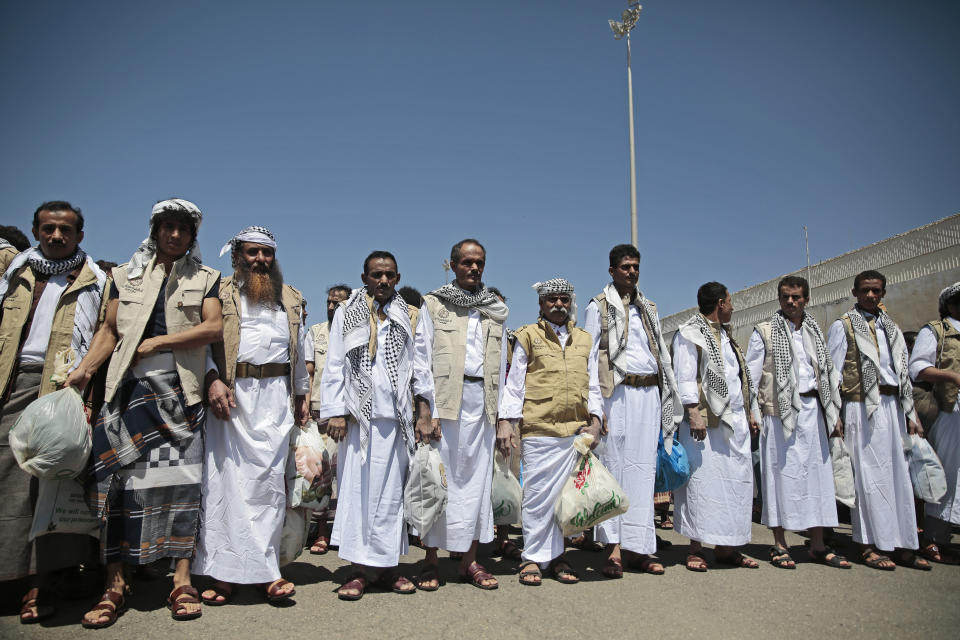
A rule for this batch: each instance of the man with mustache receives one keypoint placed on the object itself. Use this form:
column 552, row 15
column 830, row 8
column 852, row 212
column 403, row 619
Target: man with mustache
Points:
column 877, row 417
column 465, row 333
column 640, row 401
column 257, row 399
column 553, row 388
column 315, row 352
column 798, row 390
column 377, row 365
column 51, row 298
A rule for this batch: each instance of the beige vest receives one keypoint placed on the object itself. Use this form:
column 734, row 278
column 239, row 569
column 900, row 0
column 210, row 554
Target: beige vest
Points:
column 851, row 388
column 450, row 353
column 948, row 358
column 604, row 366
column 225, row 353
column 767, row 385
column 7, row 254
column 16, row 309
column 183, row 299
column 320, row 333
column 712, row 419
column 557, row 386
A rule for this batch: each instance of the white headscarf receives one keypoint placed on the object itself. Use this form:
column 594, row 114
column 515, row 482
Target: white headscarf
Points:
column 259, row 235
column 148, row 248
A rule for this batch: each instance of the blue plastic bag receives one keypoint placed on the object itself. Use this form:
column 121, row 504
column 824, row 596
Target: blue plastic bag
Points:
column 673, row 469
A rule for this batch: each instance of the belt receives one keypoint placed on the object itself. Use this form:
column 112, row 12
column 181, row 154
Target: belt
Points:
column 889, row 390
column 813, row 393
column 635, row 380
column 473, row 378
column 271, row 370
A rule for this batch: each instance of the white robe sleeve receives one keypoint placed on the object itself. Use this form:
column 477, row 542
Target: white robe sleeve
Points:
column 301, row 379
column 591, row 321
column 332, row 399
column 309, row 355
column 685, row 364
column 924, row 352
column 511, row 398
column 837, row 344
column 755, row 355
column 422, row 361
column 503, row 363
column 594, row 399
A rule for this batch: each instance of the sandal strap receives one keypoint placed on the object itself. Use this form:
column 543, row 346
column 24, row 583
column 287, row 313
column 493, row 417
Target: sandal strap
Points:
column 358, row 582
column 477, row 573
column 177, row 595
column 274, row 587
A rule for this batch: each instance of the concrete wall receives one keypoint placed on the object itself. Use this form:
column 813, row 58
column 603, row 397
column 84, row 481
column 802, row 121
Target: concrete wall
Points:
column 917, row 264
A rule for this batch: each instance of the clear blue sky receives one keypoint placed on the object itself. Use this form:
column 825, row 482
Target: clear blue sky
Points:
column 348, row 126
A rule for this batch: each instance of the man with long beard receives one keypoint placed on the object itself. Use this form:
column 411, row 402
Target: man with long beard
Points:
column 257, row 399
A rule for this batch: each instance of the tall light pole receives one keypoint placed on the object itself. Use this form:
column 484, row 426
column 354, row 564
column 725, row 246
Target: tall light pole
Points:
column 621, row 29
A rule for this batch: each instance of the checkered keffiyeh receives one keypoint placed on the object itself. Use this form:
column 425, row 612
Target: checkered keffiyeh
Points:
column 257, row 234
column 553, row 286
column 870, row 359
column 944, row 296
column 148, row 248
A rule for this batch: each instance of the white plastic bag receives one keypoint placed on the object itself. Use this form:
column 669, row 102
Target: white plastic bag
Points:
column 843, row 486
column 926, row 471
column 61, row 508
column 425, row 494
column 294, row 536
column 507, row 496
column 332, row 447
column 590, row 494
column 308, row 478
column 51, row 438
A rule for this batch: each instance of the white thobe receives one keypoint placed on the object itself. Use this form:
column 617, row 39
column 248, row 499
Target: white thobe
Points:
column 466, row 448
column 547, row 461
column 715, row 506
column 629, row 450
column 797, row 476
column 884, row 515
column 369, row 524
column 244, row 488
column 944, row 435
column 35, row 345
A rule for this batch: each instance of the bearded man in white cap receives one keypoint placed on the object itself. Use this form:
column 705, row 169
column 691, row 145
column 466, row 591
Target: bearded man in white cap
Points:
column 258, row 397
column 553, row 387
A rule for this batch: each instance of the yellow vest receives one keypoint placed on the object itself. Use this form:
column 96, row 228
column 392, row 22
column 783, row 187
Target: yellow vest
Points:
column 320, row 333
column 767, row 385
column 450, row 353
column 851, row 388
column 183, row 299
column 16, row 309
column 604, row 367
column 948, row 358
column 557, row 387
column 225, row 353
column 6, row 255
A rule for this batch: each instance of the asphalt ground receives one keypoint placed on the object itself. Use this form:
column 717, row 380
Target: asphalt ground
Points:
column 811, row 601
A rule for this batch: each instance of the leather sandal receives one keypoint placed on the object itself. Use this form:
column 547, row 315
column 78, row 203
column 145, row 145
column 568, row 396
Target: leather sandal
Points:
column 476, row 574
column 526, row 573
column 428, row 573
column 780, row 558
column 648, row 564
column 907, row 558
column 38, row 599
column 696, row 562
column 836, row 560
column 177, row 601
column 273, row 593
column 509, row 549
column 875, row 560
column 932, row 552
column 220, row 589
column 357, row 582
column 321, row 544
column 392, row 582
column 613, row 568
column 737, row 559
column 112, row 605
column 562, row 571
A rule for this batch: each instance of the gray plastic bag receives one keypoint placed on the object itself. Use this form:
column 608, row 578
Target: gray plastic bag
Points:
column 425, row 495
column 843, row 486
column 926, row 471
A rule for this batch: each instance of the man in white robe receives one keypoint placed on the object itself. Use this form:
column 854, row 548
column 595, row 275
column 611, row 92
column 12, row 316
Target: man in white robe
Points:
column 553, row 388
column 375, row 358
column 714, row 507
column 464, row 328
column 798, row 390
column 315, row 352
column 636, row 380
column 877, row 416
column 258, row 397
column 936, row 359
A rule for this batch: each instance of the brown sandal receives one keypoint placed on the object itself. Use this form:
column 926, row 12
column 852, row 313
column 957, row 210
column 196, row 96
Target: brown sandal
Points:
column 476, row 574
column 321, row 544
column 613, row 568
column 357, row 582
column 696, row 562
column 273, row 593
column 179, row 598
column 509, row 549
column 736, row 559
column 428, row 573
column 38, row 599
column 563, row 572
column 220, row 589
column 393, row 582
column 648, row 564
column 932, row 552
column 525, row 576
column 112, row 605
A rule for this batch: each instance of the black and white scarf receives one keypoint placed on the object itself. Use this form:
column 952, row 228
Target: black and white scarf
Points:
column 828, row 378
column 671, row 409
column 870, row 359
column 715, row 389
column 41, row 265
column 360, row 343
column 483, row 300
